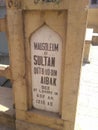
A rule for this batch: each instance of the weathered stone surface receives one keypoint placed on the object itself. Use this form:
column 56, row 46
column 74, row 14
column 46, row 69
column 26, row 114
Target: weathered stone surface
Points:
column 46, row 55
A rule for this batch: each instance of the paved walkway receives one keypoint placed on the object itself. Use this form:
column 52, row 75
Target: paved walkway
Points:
column 87, row 112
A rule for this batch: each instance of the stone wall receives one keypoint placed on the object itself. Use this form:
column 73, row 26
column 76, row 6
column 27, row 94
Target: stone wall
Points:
column 93, row 22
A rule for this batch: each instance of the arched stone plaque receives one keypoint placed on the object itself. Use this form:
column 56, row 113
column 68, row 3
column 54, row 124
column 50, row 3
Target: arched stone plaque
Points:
column 46, row 55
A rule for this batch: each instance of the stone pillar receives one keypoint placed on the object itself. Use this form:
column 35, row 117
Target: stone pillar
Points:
column 46, row 41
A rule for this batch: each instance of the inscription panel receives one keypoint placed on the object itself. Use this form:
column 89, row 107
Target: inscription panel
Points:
column 44, row 4
column 46, row 1
column 46, row 51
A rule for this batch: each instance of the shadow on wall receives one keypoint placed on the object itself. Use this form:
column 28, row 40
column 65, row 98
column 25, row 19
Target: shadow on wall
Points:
column 4, row 54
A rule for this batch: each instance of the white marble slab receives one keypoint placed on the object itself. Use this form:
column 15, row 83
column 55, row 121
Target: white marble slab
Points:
column 46, row 55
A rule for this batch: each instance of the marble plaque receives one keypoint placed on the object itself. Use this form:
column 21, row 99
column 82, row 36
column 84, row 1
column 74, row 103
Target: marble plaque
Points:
column 46, row 55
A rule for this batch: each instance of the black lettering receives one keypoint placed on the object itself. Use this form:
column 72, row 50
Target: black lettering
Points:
column 38, row 70
column 53, row 61
column 55, row 93
column 50, row 97
column 35, row 44
column 45, row 92
column 47, row 71
column 42, row 80
column 44, row 61
column 56, row 47
column 40, row 102
column 45, row 88
column 40, row 95
column 50, row 103
column 46, row 46
column 53, row 72
column 54, row 81
column 35, row 60
column 35, row 89
column 48, row 81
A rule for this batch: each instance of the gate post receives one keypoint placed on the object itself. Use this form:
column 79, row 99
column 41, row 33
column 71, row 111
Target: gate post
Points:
column 46, row 39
